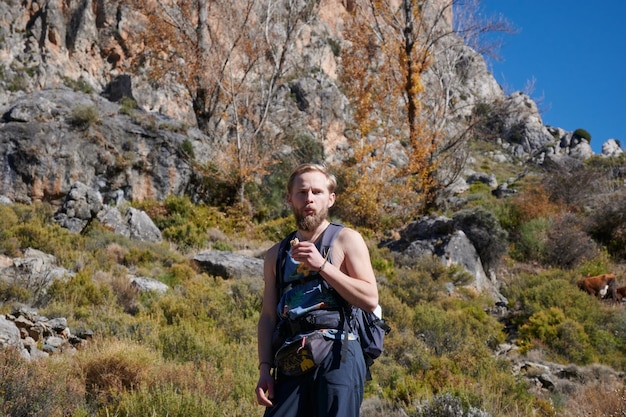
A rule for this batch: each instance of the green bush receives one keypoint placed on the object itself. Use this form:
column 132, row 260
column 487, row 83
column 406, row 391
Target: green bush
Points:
column 186, row 147
column 14, row 292
column 187, row 236
column 128, row 106
column 552, row 312
column 275, row 230
column 582, row 134
column 80, row 291
column 530, row 244
column 425, row 282
column 165, row 400
column 19, row 82
column 79, row 85
column 84, row 116
column 183, row 223
column 566, row 337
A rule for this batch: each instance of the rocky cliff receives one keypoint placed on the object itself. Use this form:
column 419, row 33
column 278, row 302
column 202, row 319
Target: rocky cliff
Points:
column 63, row 58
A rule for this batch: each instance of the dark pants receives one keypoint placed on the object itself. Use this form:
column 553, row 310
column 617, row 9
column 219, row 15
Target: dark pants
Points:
column 333, row 389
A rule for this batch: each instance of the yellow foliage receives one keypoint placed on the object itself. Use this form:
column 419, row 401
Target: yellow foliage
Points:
column 382, row 72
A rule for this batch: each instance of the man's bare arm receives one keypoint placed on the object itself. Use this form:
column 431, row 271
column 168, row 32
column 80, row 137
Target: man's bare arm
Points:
column 267, row 321
column 351, row 273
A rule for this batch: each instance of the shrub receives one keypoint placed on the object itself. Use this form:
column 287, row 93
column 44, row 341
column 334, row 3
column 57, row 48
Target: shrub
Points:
column 533, row 203
column 275, row 230
column 424, row 282
column 19, row 82
column 534, row 292
column 582, row 134
column 126, row 293
column 567, row 245
column 566, row 337
column 517, row 133
column 530, row 243
column 607, row 225
column 79, row 291
column 181, row 342
column 187, row 236
column 128, row 106
column 450, row 329
column 49, row 388
column 11, row 292
column 8, row 217
column 186, row 147
column 186, row 224
column 79, row 85
column 84, row 116
column 574, row 188
column 597, row 399
column 113, row 367
column 382, row 262
column 165, row 400
column 489, row 120
column 247, row 295
column 446, row 405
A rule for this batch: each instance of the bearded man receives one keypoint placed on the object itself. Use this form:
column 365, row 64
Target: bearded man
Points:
column 310, row 361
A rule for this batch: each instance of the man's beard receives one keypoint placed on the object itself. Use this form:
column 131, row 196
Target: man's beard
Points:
column 311, row 222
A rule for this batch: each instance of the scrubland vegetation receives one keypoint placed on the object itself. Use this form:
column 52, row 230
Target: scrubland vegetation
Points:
column 192, row 351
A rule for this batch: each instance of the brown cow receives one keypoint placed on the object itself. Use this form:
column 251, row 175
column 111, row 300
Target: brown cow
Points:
column 621, row 293
column 601, row 286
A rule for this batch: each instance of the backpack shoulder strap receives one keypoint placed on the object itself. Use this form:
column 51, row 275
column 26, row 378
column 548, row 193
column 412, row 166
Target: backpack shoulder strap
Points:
column 328, row 237
column 324, row 245
column 283, row 247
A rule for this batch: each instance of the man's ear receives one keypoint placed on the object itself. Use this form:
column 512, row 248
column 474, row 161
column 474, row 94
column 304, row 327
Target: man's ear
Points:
column 288, row 200
column 331, row 200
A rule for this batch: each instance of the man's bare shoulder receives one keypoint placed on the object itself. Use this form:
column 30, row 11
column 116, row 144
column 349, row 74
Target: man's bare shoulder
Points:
column 348, row 236
column 272, row 253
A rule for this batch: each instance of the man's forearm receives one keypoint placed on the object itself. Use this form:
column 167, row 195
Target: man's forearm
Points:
column 265, row 330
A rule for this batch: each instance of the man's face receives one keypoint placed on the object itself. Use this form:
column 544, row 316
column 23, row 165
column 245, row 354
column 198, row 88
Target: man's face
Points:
column 310, row 200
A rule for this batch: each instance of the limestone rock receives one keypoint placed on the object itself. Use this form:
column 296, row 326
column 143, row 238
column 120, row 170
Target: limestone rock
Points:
column 229, row 265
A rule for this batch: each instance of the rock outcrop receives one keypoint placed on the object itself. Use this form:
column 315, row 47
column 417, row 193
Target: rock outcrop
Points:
column 36, row 336
column 83, row 205
column 439, row 237
column 52, row 139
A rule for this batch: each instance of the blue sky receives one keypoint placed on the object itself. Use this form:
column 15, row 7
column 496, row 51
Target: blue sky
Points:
column 575, row 50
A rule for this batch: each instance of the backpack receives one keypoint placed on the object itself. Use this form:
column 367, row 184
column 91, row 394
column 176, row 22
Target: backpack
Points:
column 370, row 328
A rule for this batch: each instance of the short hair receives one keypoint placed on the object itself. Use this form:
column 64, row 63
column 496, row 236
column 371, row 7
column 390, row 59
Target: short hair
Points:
column 331, row 181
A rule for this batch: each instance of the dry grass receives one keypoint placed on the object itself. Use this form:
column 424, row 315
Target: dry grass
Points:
column 597, row 400
column 113, row 367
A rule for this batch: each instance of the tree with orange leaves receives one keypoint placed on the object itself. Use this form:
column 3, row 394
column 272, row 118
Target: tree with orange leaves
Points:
column 395, row 48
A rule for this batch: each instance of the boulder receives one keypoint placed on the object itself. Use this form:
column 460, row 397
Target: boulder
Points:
column 145, row 284
column 229, row 265
column 437, row 236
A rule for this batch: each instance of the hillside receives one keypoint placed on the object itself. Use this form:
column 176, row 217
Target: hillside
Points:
column 120, row 188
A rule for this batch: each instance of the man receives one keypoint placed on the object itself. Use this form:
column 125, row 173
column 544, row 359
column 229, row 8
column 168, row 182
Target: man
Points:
column 335, row 386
